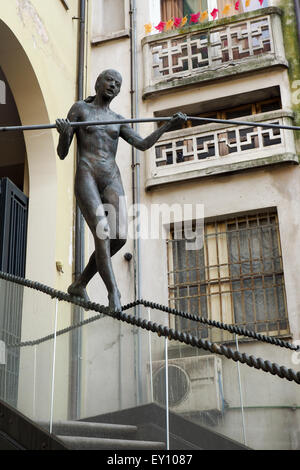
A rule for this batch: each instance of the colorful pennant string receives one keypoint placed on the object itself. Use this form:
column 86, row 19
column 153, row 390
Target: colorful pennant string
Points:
column 214, row 13
column 194, row 18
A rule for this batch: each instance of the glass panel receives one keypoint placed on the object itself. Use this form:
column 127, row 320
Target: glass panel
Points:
column 204, row 398
column 112, row 375
column 25, row 369
column 271, row 404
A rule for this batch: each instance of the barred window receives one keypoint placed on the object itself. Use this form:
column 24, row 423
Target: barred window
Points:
column 237, row 277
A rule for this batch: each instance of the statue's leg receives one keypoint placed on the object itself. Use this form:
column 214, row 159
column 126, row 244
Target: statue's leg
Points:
column 91, row 206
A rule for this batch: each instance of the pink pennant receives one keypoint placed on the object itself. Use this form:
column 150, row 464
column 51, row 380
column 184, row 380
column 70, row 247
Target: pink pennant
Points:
column 177, row 22
column 195, row 17
column 237, row 5
column 214, row 13
column 261, row 2
column 161, row 26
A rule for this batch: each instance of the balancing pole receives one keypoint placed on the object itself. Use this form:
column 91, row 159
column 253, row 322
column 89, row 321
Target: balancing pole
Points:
column 158, row 119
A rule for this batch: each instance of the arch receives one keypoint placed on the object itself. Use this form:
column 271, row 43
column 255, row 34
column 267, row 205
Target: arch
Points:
column 41, row 157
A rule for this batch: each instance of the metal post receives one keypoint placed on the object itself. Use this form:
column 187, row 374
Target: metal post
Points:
column 53, row 369
column 241, row 393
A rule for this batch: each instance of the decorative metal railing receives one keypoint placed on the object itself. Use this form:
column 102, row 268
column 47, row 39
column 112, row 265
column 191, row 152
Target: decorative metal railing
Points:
column 177, row 55
column 214, row 145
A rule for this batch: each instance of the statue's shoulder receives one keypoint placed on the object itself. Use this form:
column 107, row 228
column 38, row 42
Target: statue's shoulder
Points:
column 77, row 110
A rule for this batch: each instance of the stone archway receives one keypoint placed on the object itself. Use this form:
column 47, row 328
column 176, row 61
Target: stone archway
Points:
column 41, row 157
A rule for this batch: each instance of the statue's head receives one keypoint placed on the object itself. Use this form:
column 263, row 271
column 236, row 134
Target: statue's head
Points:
column 109, row 83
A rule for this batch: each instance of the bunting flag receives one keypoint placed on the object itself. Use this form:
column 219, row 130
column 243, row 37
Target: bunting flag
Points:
column 177, row 22
column 214, row 13
column 184, row 20
column 148, row 28
column 204, row 16
column 195, row 17
column 161, row 26
column 226, row 9
column 169, row 24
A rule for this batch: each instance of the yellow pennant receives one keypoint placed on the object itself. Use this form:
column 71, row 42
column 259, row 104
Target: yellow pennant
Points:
column 148, row 28
column 247, row 4
column 184, row 20
column 204, row 16
column 226, row 9
column 169, row 24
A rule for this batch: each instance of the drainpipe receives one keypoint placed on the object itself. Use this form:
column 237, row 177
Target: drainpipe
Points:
column 297, row 11
column 77, row 315
column 136, row 190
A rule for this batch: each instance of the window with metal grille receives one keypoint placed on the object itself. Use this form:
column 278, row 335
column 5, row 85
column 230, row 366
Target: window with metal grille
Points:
column 237, row 277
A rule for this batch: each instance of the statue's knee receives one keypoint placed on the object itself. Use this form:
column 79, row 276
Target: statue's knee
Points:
column 102, row 229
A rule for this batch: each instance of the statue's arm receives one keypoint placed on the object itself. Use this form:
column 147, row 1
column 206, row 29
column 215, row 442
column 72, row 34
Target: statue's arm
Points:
column 128, row 134
column 66, row 132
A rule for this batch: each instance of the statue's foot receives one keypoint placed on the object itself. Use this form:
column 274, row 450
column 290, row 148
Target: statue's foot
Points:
column 114, row 302
column 76, row 290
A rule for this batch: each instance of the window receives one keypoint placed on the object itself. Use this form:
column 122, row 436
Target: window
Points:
column 237, row 277
column 228, row 113
column 179, row 8
column 108, row 17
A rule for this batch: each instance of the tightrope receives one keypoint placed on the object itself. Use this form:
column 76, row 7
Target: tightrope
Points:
column 160, row 330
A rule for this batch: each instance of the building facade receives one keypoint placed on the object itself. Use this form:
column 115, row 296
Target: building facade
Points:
column 243, row 65
column 236, row 186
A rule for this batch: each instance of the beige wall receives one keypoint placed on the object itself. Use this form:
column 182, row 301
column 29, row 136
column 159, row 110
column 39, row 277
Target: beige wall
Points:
column 221, row 195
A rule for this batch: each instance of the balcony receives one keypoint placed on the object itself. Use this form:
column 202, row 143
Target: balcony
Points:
column 216, row 50
column 213, row 149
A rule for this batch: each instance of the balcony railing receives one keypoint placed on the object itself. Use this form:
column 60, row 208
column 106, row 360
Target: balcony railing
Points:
column 244, row 41
column 216, row 148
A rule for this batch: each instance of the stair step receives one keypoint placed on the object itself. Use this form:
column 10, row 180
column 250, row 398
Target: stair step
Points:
column 93, row 443
column 98, row 430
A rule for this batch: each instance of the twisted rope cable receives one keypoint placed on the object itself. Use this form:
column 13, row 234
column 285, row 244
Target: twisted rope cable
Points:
column 104, row 310
column 224, row 326
column 251, row 361
column 171, row 334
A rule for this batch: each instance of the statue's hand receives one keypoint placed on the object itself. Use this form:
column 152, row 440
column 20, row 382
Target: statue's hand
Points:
column 178, row 118
column 63, row 126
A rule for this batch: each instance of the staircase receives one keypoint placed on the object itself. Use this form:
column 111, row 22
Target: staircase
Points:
column 78, row 435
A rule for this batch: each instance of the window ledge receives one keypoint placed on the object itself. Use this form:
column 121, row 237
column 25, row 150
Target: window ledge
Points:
column 96, row 40
column 218, row 169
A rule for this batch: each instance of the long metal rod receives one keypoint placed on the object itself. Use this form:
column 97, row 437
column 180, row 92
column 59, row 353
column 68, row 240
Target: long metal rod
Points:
column 130, row 121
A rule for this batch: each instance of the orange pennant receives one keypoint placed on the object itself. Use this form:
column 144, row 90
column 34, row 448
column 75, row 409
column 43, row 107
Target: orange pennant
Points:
column 184, row 20
column 204, row 16
column 169, row 24
column 148, row 28
column 226, row 9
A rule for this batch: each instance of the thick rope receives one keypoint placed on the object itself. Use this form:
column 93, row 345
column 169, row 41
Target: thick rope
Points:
column 171, row 334
column 104, row 310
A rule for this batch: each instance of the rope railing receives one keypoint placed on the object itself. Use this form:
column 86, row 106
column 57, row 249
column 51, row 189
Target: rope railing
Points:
column 160, row 330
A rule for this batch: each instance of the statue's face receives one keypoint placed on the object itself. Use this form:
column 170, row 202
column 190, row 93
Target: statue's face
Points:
column 109, row 84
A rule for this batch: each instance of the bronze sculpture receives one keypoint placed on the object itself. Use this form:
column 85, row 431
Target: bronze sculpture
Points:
column 98, row 180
